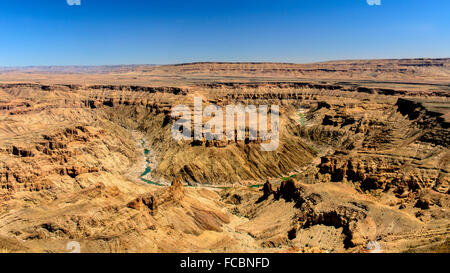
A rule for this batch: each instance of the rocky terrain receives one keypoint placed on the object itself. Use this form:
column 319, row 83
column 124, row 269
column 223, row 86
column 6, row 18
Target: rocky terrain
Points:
column 86, row 155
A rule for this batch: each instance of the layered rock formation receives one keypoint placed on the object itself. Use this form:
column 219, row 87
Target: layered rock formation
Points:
column 358, row 161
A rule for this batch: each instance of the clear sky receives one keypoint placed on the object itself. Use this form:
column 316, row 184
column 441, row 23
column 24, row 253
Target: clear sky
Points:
column 101, row 32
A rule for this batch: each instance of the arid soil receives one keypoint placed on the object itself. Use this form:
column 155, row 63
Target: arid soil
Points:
column 86, row 155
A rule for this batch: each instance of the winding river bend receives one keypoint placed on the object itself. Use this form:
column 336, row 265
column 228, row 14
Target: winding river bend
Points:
column 149, row 161
column 148, row 169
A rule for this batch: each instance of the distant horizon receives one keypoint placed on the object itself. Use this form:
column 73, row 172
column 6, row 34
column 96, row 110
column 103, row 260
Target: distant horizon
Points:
column 226, row 62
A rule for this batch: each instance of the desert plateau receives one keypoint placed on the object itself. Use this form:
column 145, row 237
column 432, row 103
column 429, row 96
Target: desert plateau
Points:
column 87, row 156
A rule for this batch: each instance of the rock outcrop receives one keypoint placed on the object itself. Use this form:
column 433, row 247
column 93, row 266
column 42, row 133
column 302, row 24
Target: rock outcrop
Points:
column 147, row 201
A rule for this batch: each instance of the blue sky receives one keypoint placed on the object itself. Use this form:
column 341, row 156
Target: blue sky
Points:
column 100, row 32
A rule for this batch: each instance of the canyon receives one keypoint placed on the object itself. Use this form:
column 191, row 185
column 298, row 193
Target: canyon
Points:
column 87, row 155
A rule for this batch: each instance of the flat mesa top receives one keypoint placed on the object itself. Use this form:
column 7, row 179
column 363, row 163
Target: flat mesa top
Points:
column 402, row 72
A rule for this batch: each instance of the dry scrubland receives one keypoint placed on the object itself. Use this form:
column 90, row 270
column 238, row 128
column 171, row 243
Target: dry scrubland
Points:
column 86, row 155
